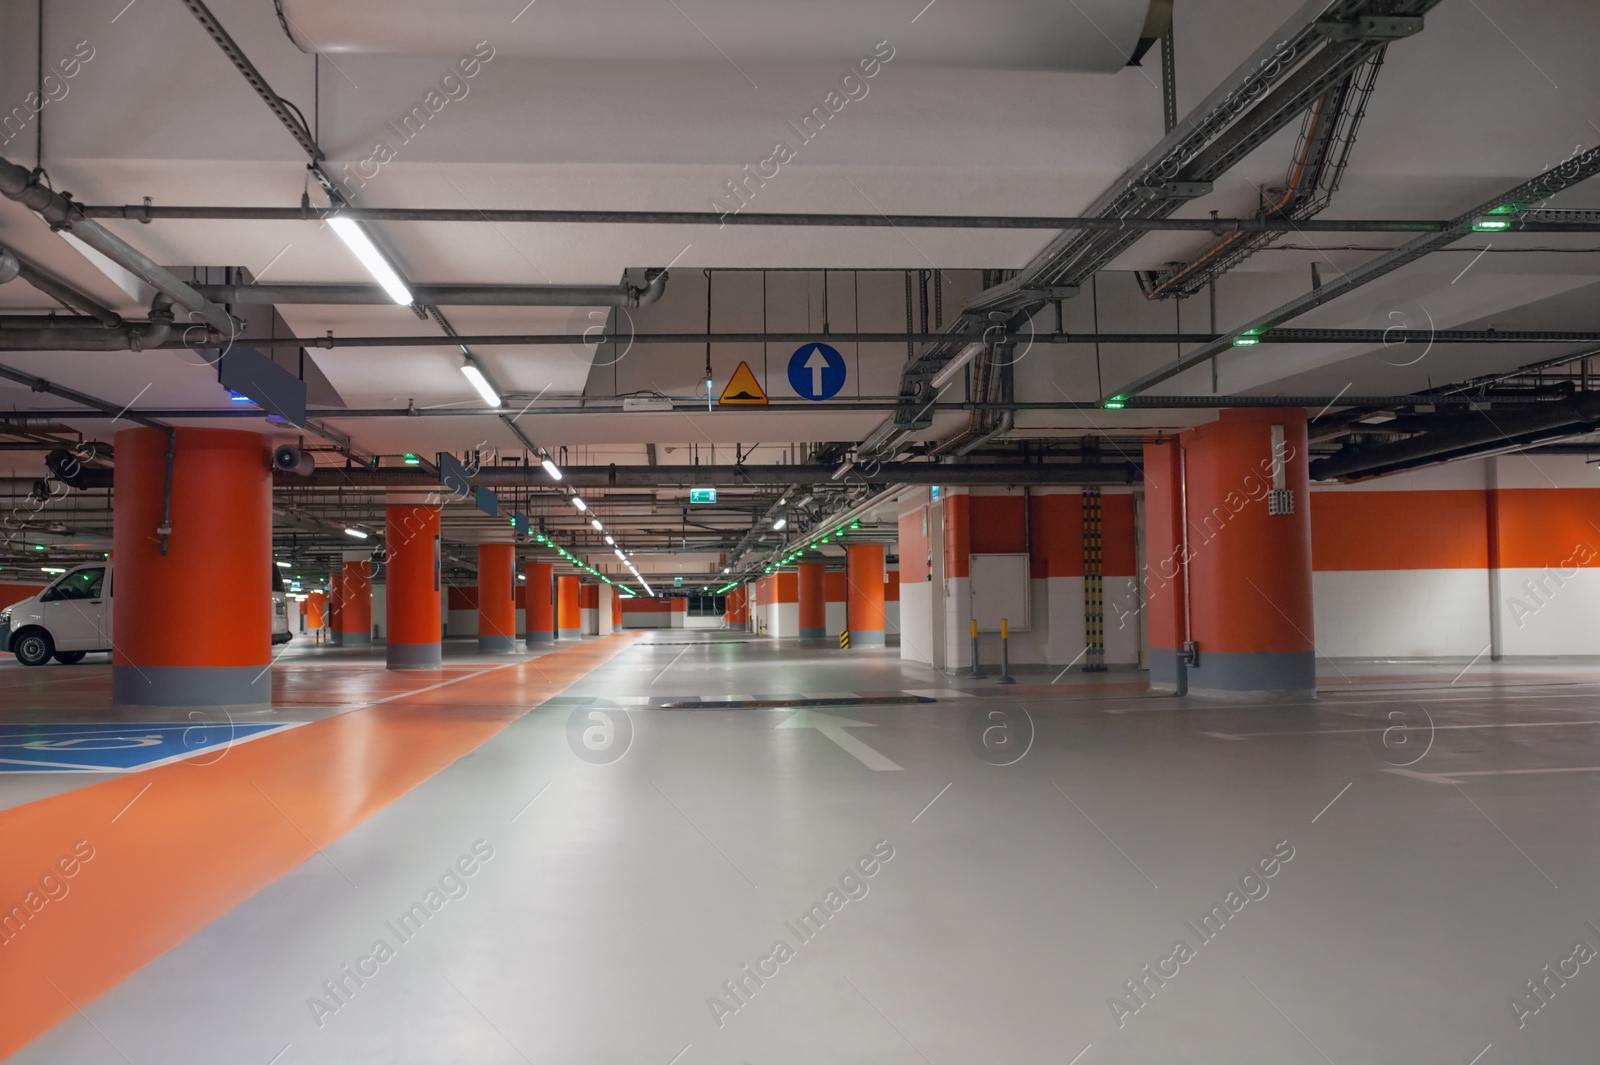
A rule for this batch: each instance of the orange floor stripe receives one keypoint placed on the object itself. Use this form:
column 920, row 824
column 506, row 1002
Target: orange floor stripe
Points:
column 199, row 839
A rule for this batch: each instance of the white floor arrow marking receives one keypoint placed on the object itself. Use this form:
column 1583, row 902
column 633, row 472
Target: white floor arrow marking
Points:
column 834, row 728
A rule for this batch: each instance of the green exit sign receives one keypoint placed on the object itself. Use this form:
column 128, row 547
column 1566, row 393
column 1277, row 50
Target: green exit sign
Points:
column 677, row 580
column 702, row 495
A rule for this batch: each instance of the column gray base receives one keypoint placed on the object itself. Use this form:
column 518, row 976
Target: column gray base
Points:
column 1166, row 672
column 413, row 655
column 813, row 634
column 335, row 639
column 356, row 639
column 493, row 644
column 541, row 637
column 572, row 634
column 866, row 639
column 1235, row 672
column 192, row 685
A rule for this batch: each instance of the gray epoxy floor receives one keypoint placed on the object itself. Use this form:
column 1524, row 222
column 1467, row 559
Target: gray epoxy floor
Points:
column 1421, row 894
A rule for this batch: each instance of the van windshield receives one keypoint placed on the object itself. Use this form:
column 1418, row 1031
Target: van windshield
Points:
column 277, row 579
column 82, row 584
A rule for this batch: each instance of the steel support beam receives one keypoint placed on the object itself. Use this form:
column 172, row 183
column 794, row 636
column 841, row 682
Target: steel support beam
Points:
column 1579, row 167
column 1538, row 222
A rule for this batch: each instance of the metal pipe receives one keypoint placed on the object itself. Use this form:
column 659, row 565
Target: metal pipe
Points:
column 99, row 407
column 1582, row 222
column 1578, row 168
column 1391, row 337
column 623, row 295
column 59, row 290
column 129, row 336
column 1510, row 431
column 740, row 476
column 590, row 408
column 21, row 185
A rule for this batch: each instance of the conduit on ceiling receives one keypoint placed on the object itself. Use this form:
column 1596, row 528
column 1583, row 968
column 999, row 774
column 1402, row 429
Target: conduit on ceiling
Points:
column 1095, row 36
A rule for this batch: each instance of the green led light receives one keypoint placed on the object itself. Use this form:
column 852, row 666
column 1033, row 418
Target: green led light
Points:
column 766, row 569
column 1490, row 225
column 1507, row 208
column 1246, row 340
column 824, row 539
column 38, row 547
column 1113, row 404
column 412, row 460
column 856, row 524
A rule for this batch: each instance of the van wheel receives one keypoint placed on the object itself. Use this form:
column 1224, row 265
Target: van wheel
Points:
column 70, row 658
column 33, row 647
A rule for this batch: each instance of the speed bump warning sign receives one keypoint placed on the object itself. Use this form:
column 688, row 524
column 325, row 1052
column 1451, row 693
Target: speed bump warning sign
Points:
column 743, row 389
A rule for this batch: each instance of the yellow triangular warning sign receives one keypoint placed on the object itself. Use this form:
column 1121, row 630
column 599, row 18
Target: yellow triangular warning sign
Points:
column 743, row 389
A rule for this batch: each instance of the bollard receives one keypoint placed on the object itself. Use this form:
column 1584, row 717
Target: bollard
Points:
column 976, row 672
column 844, row 639
column 1005, row 654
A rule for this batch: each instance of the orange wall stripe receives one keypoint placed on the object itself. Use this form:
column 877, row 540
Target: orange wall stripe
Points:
column 997, row 527
column 1400, row 530
column 126, row 907
column 1542, row 527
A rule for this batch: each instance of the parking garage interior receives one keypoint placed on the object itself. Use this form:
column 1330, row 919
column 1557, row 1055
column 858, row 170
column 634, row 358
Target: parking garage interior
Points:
column 698, row 532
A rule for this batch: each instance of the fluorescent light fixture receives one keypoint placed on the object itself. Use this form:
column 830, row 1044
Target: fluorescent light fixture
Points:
column 780, row 523
column 956, row 365
column 481, row 383
column 552, row 469
column 610, row 541
column 842, row 470
column 578, row 502
column 522, row 576
column 356, row 239
column 281, row 565
column 51, row 569
column 620, row 555
column 357, row 533
column 724, row 569
column 596, row 523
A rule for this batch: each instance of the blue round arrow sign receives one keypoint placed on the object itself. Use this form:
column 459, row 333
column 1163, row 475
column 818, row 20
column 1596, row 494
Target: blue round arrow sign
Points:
column 816, row 371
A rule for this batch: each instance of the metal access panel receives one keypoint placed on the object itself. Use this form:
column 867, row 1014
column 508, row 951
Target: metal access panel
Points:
column 1000, row 589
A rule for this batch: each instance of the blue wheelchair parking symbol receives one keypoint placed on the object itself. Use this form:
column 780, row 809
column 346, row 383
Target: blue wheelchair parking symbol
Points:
column 816, row 371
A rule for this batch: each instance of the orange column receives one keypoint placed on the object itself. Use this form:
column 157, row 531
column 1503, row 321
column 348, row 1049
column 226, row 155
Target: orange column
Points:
column 355, row 610
column 497, row 597
column 412, row 591
column 569, row 616
column 540, row 599
column 191, row 624
column 814, row 599
column 863, row 597
column 335, row 604
column 1249, row 549
column 1166, row 608
column 314, row 605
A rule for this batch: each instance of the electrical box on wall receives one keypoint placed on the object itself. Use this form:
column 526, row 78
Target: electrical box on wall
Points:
column 1000, row 590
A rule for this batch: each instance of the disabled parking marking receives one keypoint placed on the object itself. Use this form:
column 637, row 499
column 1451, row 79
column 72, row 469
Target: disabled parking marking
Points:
column 103, row 747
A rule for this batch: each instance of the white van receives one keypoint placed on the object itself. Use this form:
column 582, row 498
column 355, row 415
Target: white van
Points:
column 72, row 617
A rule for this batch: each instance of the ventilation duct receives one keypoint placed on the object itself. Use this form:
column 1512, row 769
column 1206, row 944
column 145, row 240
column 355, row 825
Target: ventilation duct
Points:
column 1098, row 36
column 1492, row 434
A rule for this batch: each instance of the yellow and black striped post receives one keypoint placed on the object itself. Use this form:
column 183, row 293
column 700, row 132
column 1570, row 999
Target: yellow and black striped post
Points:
column 1005, row 653
column 844, row 639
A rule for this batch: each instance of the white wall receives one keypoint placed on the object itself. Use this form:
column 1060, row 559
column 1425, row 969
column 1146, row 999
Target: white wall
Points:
column 1400, row 613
